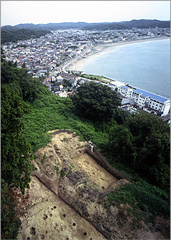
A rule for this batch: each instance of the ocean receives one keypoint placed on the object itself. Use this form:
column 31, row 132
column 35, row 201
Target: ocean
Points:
column 145, row 65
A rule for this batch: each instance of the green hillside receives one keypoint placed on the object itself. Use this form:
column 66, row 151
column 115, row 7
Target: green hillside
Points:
column 13, row 34
column 137, row 144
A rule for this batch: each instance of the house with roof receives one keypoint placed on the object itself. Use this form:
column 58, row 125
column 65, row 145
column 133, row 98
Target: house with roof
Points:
column 116, row 85
column 53, row 78
column 72, row 78
column 59, row 79
column 61, row 94
column 42, row 73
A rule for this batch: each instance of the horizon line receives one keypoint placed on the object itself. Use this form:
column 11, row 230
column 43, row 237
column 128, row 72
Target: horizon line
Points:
column 85, row 22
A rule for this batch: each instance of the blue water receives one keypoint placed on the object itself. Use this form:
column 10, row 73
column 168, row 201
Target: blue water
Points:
column 144, row 65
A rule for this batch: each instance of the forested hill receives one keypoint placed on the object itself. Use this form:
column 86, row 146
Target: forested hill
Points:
column 28, row 30
column 12, row 34
column 143, row 23
column 48, row 26
column 128, row 25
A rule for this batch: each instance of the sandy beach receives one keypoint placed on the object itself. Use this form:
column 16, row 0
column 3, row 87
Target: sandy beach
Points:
column 103, row 49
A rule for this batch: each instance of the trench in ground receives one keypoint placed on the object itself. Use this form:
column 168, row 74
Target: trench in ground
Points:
column 95, row 172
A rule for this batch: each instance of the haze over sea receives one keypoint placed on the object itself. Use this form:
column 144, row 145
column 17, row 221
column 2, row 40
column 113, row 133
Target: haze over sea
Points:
column 145, row 65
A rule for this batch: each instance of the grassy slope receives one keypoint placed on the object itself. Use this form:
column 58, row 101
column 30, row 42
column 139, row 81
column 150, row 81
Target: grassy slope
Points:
column 52, row 112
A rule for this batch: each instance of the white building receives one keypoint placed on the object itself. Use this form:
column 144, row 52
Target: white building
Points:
column 116, row 85
column 151, row 100
column 53, row 78
column 59, row 79
column 146, row 99
column 63, row 94
column 125, row 91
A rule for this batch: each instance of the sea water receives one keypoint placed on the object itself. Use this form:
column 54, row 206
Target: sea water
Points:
column 145, row 65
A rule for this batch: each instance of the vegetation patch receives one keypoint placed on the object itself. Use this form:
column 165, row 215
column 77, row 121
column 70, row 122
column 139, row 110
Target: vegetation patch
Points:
column 13, row 35
column 63, row 173
column 144, row 196
column 57, row 170
column 95, row 77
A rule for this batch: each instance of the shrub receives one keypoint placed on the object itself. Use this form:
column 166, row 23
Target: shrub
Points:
column 63, row 173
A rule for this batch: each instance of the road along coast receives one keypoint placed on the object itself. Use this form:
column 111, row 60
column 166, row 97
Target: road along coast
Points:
column 77, row 64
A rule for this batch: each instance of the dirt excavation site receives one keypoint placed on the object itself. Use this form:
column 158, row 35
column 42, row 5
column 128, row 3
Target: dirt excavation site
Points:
column 68, row 196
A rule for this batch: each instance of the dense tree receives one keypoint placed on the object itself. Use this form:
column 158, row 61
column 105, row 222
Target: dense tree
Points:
column 143, row 142
column 121, row 143
column 95, row 101
column 29, row 88
column 17, row 91
column 24, row 65
column 67, row 83
column 10, row 222
column 14, row 205
column 15, row 153
column 13, row 34
column 151, row 136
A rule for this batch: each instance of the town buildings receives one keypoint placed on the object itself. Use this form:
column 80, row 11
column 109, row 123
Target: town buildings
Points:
column 53, row 51
column 47, row 57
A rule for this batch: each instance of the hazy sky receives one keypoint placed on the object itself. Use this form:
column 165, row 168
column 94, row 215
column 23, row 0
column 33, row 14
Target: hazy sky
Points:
column 15, row 12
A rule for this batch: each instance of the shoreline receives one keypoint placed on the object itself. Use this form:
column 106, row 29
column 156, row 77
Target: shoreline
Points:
column 105, row 48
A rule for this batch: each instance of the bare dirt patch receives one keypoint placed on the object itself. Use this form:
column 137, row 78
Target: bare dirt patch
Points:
column 68, row 196
column 96, row 173
column 50, row 218
column 68, row 144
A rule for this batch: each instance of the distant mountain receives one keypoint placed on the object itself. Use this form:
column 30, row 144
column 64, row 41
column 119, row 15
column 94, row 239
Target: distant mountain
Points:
column 65, row 25
column 11, row 34
column 48, row 26
column 26, row 26
column 27, row 30
column 143, row 23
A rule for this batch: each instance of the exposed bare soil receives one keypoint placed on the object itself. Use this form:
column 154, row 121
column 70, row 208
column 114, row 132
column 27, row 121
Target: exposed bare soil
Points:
column 50, row 218
column 95, row 172
column 68, row 197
